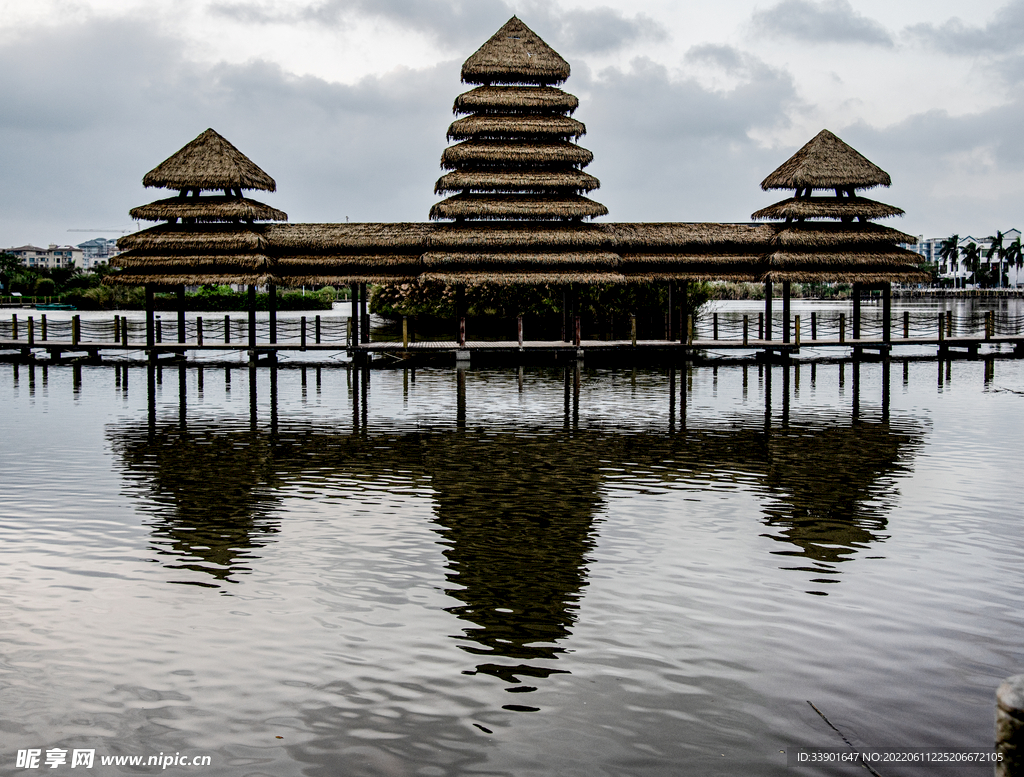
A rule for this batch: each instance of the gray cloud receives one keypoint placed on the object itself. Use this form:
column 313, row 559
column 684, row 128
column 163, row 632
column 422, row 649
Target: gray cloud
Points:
column 829, row 21
column 465, row 24
column 1003, row 35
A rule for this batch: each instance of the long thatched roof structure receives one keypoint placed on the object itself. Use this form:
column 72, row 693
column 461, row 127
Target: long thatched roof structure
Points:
column 515, row 209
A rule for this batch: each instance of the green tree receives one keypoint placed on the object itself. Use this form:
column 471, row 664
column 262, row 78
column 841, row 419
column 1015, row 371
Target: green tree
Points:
column 972, row 259
column 996, row 250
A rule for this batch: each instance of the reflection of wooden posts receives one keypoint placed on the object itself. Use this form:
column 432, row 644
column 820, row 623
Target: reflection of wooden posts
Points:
column 1010, row 727
column 906, row 324
column 786, row 290
column 856, row 311
column 746, row 332
column 887, row 313
column 272, row 308
column 179, row 293
column 768, row 310
column 150, row 333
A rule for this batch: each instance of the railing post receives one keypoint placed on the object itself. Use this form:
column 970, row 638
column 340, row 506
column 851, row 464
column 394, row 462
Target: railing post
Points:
column 714, row 326
column 302, row 333
column 689, row 330
column 842, row 327
column 31, row 331
column 746, row 327
column 405, row 332
column 199, row 331
column 462, row 331
column 124, row 331
column 949, row 323
column 227, row 329
column 942, row 329
column 117, row 328
column 76, row 330
column 796, row 330
column 632, row 328
column 906, row 324
column 519, row 329
column 14, row 326
column 158, row 328
column 760, row 326
column 576, row 331
column 42, row 327
column 316, row 332
column 814, row 325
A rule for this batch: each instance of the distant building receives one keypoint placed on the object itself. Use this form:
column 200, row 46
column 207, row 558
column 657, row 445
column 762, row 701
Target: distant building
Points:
column 957, row 272
column 98, row 251
column 50, row 258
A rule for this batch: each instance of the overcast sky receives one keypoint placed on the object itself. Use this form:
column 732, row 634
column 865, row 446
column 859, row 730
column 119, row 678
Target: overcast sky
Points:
column 688, row 106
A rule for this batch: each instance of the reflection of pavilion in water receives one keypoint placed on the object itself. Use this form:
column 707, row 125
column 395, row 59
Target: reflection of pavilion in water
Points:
column 515, row 508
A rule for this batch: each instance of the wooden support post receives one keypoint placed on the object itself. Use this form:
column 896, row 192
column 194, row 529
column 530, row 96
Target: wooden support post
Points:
column 199, row 331
column 31, row 331
column 354, row 328
column 670, row 319
column 42, row 327
column 364, row 321
column 117, row 328
column 856, row 311
column 906, row 324
column 405, row 331
column 462, row 332
column 576, row 330
column 14, row 326
column 227, row 329
column 158, row 328
column 316, row 330
column 76, row 330
column 760, row 325
column 714, row 326
column 124, row 334
column 519, row 329
column 272, row 307
column 746, row 332
column 565, row 314
column 460, row 313
column 887, row 313
column 150, row 324
column 251, row 299
column 814, row 325
column 796, row 331
column 768, row 310
column 949, row 323
column 689, row 330
column 686, row 333
column 632, row 328
column 302, row 335
column 786, row 287
column 179, row 293
column 842, row 327
column 942, row 329
column 989, row 324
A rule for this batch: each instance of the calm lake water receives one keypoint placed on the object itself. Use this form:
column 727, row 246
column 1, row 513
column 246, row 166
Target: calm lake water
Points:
column 505, row 573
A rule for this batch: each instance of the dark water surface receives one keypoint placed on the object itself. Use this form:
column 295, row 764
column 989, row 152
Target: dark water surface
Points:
column 523, row 577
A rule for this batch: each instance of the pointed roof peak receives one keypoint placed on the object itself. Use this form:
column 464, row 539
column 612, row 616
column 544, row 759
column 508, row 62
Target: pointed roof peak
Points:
column 209, row 162
column 826, row 162
column 515, row 54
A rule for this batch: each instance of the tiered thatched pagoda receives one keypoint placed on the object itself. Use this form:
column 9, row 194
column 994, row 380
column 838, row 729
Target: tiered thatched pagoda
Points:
column 183, row 252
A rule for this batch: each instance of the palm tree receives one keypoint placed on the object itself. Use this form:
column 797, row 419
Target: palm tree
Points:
column 949, row 252
column 1014, row 256
column 972, row 258
column 998, row 250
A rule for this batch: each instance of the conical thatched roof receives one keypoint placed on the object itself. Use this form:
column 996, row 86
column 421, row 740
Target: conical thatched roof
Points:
column 828, row 208
column 528, row 181
column 517, row 206
column 515, row 54
column 826, row 162
column 526, row 99
column 494, row 127
column 207, row 209
column 209, row 162
column 519, row 156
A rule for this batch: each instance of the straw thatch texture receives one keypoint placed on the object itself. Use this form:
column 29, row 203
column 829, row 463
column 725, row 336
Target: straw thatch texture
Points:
column 680, row 259
column 184, row 238
column 515, row 54
column 342, row 276
column 643, row 238
column 828, row 208
column 174, row 276
column 209, row 162
column 861, row 273
column 207, row 209
column 516, row 206
column 440, row 259
column 520, row 236
column 826, row 162
column 362, row 262
column 830, row 235
column 880, row 254
column 518, row 100
column 708, row 272
column 505, row 154
column 495, row 127
column 517, row 278
column 517, row 181
column 359, row 238
column 134, row 260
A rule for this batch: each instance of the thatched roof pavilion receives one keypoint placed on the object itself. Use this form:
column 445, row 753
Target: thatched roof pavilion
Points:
column 517, row 209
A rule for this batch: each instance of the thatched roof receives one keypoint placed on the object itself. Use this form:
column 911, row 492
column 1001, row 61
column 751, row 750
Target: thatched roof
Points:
column 517, row 181
column 357, row 238
column 209, row 162
column 826, row 162
column 494, row 127
column 191, row 261
column 184, row 238
column 175, row 276
column 681, row 258
column 207, row 209
column 834, row 273
column 520, row 236
column 879, row 254
column 819, row 234
column 515, row 54
column 671, row 237
column 360, row 262
column 828, row 208
column 436, row 259
column 517, row 206
column 506, row 154
column 707, row 272
column 342, row 277
column 517, row 278
column 520, row 99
